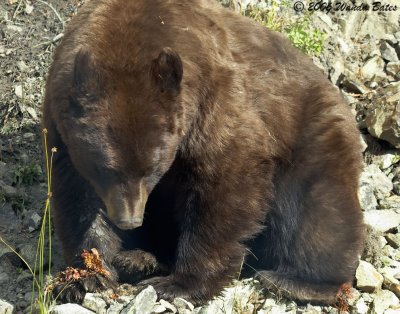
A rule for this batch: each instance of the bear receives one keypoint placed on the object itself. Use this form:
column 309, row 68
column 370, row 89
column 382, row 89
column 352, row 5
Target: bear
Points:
column 192, row 141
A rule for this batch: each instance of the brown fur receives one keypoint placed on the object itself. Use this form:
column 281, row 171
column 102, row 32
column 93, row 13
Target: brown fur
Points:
column 201, row 135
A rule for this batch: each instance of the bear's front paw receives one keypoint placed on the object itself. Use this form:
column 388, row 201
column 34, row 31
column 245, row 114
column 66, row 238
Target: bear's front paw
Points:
column 167, row 288
column 135, row 265
column 73, row 291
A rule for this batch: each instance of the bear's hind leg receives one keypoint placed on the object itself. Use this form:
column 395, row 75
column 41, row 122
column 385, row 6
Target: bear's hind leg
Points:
column 294, row 288
column 314, row 230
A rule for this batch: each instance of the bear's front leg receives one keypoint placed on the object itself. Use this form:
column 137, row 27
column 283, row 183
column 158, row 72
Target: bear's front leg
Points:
column 81, row 226
column 209, row 252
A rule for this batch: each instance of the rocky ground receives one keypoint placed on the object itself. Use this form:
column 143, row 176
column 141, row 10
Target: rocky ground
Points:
column 361, row 57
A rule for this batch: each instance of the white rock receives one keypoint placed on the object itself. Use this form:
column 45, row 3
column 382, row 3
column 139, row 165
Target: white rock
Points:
column 95, row 303
column 393, row 68
column 158, row 309
column 364, row 143
column 383, row 300
column 182, row 304
column 168, row 306
column 388, row 52
column 368, row 279
column 372, row 67
column 387, row 160
column 361, row 307
column 28, row 8
column 143, row 303
column 382, row 220
column 392, row 311
column 18, row 90
column 69, row 309
column 6, row 308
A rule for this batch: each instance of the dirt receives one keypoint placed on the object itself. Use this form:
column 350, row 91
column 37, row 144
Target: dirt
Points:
column 29, row 32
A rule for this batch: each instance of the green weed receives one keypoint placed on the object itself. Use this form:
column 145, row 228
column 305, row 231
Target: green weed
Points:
column 278, row 15
column 26, row 174
column 44, row 300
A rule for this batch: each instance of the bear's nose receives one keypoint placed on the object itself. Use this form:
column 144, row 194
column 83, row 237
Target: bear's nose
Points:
column 131, row 223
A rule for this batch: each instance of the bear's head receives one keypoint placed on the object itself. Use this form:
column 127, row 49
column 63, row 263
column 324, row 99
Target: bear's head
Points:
column 122, row 127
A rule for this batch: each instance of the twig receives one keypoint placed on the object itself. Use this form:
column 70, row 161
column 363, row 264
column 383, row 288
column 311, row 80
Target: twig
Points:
column 16, row 10
column 54, row 10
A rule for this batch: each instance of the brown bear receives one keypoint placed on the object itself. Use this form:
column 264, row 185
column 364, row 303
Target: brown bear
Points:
column 189, row 138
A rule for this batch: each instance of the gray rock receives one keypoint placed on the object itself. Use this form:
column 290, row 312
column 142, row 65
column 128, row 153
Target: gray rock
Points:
column 382, row 220
column 353, row 84
column 373, row 177
column 3, row 169
column 372, row 67
column 368, row 278
column 95, row 303
column 396, row 187
column 388, row 52
column 69, row 309
column 383, row 121
column 336, row 73
column 6, row 308
column 8, row 190
column 143, row 303
column 393, row 240
column 383, row 300
column 367, row 198
column 34, row 221
column 29, row 136
column 22, row 66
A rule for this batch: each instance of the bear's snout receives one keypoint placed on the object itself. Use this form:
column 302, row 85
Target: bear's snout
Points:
column 125, row 205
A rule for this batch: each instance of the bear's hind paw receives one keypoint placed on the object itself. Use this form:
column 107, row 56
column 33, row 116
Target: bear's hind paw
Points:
column 167, row 288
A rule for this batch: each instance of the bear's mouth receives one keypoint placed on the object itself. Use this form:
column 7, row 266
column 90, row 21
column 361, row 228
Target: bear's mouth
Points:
column 130, row 223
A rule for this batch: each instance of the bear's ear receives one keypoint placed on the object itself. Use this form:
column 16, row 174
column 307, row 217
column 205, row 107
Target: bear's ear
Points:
column 86, row 78
column 167, row 70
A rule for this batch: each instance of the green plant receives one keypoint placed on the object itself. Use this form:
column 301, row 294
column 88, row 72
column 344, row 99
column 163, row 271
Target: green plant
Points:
column 276, row 15
column 305, row 37
column 269, row 14
column 26, row 174
column 39, row 284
